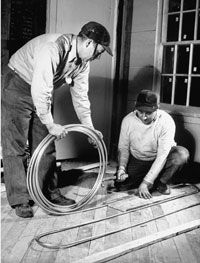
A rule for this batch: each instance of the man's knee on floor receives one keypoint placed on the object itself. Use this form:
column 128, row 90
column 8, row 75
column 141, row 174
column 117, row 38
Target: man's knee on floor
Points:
column 180, row 155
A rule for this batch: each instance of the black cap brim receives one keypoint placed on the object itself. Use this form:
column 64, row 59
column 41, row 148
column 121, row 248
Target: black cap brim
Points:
column 107, row 48
column 146, row 108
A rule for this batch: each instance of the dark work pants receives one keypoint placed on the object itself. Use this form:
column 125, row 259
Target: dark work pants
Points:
column 20, row 125
column 137, row 169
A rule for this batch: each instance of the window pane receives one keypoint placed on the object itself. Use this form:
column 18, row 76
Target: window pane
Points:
column 188, row 26
column 180, row 91
column 168, row 59
column 189, row 4
column 173, row 27
column 196, row 60
column 174, row 5
column 183, row 59
column 198, row 28
column 166, row 89
column 194, row 92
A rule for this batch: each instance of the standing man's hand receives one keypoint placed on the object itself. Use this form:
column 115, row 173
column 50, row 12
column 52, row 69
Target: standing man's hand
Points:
column 92, row 141
column 144, row 191
column 99, row 134
column 57, row 130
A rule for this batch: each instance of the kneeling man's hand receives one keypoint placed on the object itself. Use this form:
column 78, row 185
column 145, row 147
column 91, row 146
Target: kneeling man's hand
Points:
column 121, row 175
column 144, row 191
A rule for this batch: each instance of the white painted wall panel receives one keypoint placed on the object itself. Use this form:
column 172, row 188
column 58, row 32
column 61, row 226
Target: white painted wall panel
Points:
column 144, row 15
column 67, row 16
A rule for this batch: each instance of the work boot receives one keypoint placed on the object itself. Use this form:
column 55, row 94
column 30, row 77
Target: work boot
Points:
column 163, row 189
column 24, row 210
column 62, row 200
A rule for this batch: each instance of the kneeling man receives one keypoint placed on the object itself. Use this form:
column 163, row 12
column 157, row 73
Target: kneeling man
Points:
column 147, row 151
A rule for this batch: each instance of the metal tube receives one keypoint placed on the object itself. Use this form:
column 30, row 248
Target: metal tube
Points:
column 48, row 245
column 33, row 169
column 81, row 241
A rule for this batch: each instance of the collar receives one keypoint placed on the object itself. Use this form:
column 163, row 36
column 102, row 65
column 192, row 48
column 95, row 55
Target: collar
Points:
column 73, row 57
column 157, row 115
column 72, row 54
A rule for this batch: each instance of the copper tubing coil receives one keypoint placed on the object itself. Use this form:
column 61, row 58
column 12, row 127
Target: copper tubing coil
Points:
column 33, row 171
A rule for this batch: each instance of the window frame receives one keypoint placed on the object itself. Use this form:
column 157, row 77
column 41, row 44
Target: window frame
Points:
column 161, row 32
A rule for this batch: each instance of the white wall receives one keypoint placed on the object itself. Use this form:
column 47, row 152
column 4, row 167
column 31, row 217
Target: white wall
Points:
column 68, row 16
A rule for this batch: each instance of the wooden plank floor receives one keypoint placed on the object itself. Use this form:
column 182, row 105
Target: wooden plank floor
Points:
column 17, row 233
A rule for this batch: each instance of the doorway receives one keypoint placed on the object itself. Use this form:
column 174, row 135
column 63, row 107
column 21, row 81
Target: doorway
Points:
column 21, row 20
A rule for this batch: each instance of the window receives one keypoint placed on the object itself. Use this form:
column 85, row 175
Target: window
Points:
column 180, row 70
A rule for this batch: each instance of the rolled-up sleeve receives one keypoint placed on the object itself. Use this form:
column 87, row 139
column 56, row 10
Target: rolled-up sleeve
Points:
column 45, row 64
column 79, row 93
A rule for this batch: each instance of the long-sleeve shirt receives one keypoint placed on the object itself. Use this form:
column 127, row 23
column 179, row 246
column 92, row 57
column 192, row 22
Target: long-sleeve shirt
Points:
column 47, row 62
column 151, row 142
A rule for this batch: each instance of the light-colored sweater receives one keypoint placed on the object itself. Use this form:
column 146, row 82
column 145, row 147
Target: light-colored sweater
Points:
column 147, row 142
column 49, row 61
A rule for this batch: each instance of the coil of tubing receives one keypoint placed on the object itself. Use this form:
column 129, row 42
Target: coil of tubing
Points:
column 33, row 171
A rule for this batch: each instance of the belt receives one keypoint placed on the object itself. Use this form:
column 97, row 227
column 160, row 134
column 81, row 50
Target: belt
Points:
column 17, row 72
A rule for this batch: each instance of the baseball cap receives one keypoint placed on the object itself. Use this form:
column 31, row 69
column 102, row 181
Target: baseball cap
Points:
column 98, row 33
column 147, row 100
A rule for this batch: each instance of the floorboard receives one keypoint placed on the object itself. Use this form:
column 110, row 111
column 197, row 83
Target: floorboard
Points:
column 169, row 251
column 17, row 234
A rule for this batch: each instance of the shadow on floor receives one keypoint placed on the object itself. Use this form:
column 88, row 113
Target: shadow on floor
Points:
column 189, row 174
column 69, row 177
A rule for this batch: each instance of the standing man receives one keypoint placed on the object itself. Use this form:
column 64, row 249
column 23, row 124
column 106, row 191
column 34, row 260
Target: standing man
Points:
column 147, row 151
column 34, row 71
